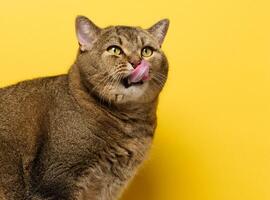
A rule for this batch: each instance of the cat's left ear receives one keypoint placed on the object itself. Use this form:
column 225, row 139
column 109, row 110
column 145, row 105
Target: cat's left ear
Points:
column 159, row 30
column 87, row 32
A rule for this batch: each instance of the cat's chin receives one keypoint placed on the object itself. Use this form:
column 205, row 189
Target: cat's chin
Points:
column 126, row 93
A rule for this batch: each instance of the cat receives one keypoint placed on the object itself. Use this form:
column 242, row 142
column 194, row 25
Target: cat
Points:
column 83, row 135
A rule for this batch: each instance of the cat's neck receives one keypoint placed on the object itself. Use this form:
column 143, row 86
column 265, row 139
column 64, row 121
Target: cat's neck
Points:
column 85, row 99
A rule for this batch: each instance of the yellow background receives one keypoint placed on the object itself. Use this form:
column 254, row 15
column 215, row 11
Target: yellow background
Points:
column 213, row 138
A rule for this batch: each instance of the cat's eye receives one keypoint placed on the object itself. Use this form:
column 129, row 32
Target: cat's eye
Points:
column 115, row 50
column 147, row 52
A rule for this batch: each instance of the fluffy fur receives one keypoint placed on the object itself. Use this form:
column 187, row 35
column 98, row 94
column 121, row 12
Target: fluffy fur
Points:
column 82, row 135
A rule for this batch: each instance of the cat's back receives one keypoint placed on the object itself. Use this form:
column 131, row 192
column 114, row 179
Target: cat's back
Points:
column 23, row 105
column 32, row 88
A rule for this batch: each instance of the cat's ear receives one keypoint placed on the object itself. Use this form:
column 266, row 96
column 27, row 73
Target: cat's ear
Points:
column 87, row 32
column 159, row 30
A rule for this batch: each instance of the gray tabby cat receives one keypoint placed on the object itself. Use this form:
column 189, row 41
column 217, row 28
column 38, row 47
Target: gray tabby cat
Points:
column 82, row 135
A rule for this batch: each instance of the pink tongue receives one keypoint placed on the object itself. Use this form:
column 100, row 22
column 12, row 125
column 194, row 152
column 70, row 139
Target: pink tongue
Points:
column 141, row 72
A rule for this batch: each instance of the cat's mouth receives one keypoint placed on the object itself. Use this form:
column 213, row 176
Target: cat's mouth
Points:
column 137, row 75
column 127, row 83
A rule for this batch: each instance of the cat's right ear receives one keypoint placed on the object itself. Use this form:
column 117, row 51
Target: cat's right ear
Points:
column 159, row 30
column 87, row 32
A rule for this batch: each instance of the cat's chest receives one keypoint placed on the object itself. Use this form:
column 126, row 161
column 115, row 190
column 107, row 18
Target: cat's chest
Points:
column 116, row 163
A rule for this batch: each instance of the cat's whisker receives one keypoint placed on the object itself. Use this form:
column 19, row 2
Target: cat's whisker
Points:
column 160, row 79
column 157, row 82
column 161, row 76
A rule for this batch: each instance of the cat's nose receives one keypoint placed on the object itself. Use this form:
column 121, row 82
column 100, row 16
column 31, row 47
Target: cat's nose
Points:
column 135, row 63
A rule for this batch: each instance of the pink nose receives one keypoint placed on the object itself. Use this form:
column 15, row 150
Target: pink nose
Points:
column 135, row 63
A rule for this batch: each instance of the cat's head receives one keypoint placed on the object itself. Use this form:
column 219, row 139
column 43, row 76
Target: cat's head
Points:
column 121, row 64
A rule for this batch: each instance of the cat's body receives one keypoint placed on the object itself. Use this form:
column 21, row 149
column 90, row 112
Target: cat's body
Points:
column 61, row 141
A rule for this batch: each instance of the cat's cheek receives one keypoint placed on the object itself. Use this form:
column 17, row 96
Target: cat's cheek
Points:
column 155, row 61
column 107, row 59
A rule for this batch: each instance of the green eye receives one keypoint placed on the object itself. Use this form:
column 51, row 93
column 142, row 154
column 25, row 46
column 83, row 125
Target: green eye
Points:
column 115, row 50
column 147, row 52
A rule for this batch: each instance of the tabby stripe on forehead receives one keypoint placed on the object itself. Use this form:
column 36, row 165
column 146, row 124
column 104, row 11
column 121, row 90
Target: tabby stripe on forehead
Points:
column 142, row 41
column 120, row 41
column 119, row 36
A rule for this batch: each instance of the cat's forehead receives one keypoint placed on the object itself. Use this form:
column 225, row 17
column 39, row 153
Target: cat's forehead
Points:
column 127, row 35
